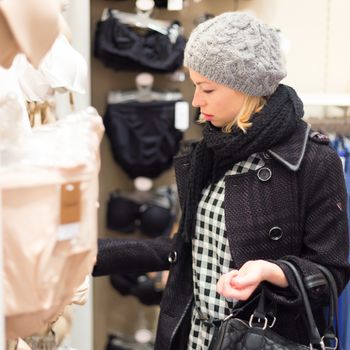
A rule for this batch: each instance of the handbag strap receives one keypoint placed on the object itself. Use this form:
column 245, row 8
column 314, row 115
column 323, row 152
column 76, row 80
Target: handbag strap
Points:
column 314, row 335
column 242, row 305
column 331, row 332
column 264, row 312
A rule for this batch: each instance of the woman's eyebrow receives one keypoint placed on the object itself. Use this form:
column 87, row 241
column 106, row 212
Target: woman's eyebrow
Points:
column 202, row 82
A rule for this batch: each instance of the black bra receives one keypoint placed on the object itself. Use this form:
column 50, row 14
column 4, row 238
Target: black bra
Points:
column 120, row 47
column 151, row 213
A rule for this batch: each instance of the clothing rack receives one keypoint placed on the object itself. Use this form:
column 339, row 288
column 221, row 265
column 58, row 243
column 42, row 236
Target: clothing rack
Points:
column 340, row 126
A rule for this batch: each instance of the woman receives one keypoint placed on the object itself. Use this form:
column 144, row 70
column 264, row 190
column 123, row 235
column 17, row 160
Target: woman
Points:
column 257, row 188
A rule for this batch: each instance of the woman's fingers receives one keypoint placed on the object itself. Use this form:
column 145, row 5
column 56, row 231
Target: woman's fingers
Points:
column 237, row 294
column 242, row 281
column 239, row 284
column 225, row 280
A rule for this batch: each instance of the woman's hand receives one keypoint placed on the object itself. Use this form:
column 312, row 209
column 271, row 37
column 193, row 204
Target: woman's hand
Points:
column 240, row 284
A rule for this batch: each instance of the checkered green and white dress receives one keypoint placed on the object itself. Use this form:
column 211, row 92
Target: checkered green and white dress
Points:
column 211, row 257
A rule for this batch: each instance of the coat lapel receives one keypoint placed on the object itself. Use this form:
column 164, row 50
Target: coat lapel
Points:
column 291, row 152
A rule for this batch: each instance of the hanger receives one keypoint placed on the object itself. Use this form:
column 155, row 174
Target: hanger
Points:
column 142, row 20
column 139, row 20
column 144, row 92
column 41, row 113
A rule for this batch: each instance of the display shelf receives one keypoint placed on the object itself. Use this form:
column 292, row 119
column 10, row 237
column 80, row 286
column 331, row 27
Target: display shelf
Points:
column 326, row 99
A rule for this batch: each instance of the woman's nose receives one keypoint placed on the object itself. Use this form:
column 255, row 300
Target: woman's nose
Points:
column 197, row 100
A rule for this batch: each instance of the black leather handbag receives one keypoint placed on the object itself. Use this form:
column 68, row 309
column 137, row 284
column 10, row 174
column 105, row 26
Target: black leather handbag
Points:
column 257, row 334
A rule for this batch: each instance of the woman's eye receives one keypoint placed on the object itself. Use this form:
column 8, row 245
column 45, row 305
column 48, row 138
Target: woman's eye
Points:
column 208, row 91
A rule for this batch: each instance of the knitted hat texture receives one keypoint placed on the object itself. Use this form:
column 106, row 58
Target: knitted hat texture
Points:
column 237, row 50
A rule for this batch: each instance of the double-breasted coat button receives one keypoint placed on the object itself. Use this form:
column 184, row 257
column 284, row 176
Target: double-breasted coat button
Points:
column 275, row 233
column 264, row 174
column 172, row 257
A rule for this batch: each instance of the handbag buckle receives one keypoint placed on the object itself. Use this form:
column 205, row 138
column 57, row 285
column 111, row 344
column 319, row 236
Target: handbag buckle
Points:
column 272, row 322
column 259, row 320
column 331, row 338
column 323, row 347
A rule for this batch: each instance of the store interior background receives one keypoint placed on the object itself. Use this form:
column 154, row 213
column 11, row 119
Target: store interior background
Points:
column 317, row 62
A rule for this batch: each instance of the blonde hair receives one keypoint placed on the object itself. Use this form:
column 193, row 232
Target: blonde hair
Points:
column 251, row 105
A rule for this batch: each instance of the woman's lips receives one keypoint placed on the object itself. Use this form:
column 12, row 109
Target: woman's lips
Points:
column 207, row 117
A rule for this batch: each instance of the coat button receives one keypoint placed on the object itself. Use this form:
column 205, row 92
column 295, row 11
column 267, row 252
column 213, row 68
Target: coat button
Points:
column 172, row 257
column 264, row 174
column 275, row 233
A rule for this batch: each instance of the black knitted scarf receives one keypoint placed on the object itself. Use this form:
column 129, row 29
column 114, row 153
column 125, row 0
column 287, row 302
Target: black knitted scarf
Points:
column 217, row 152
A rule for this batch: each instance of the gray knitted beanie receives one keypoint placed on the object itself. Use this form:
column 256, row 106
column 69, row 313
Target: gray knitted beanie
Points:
column 237, row 50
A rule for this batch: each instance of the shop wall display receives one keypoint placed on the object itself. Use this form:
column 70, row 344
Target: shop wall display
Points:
column 314, row 36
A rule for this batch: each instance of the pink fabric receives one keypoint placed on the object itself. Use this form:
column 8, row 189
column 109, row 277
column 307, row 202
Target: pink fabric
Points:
column 41, row 272
column 26, row 20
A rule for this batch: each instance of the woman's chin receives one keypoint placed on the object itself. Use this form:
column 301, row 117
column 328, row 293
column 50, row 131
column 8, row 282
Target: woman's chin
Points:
column 216, row 124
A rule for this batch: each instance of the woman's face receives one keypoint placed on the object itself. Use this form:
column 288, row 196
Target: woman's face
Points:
column 218, row 103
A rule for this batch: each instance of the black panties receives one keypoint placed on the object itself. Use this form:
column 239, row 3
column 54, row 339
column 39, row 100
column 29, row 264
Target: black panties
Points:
column 143, row 137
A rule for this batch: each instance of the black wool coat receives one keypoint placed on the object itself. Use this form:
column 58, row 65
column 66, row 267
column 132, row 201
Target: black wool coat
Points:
column 293, row 208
